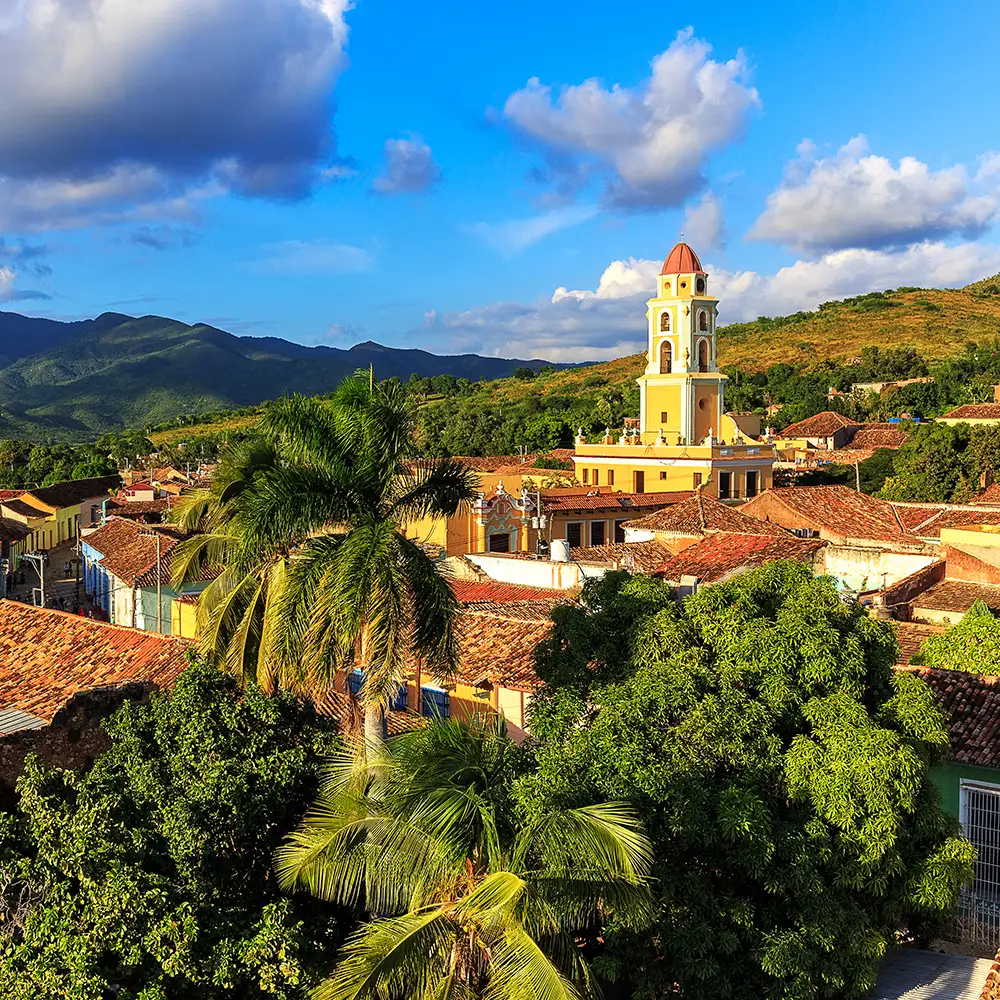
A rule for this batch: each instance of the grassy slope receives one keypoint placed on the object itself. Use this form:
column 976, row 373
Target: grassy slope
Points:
column 937, row 323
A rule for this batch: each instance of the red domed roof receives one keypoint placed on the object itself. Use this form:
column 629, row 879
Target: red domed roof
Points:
column 682, row 260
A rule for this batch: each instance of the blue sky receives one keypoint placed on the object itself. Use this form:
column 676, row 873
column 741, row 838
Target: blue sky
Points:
column 500, row 179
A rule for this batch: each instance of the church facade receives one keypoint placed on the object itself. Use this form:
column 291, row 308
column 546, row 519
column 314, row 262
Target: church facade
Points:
column 684, row 439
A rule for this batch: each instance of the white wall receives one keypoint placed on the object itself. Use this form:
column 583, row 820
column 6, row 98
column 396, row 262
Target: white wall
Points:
column 863, row 568
column 536, row 572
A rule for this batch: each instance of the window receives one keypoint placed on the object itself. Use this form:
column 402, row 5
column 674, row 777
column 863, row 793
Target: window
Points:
column 725, row 485
column 638, row 482
column 664, row 322
column 666, row 358
column 355, row 682
column 499, row 541
column 597, row 532
column 574, row 534
column 752, row 482
column 666, row 288
column 611, row 477
column 619, row 531
column 586, row 476
column 979, row 811
column 703, row 355
column 696, row 480
column 594, row 476
column 435, row 703
column 663, row 474
column 703, row 321
column 700, row 286
column 663, row 416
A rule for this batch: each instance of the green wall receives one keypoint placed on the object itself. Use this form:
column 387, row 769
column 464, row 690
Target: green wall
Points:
column 948, row 778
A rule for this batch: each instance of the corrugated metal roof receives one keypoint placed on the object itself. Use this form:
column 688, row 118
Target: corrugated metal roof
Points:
column 911, row 974
column 13, row 721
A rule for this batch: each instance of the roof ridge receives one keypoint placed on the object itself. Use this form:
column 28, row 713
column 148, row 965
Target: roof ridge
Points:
column 21, row 606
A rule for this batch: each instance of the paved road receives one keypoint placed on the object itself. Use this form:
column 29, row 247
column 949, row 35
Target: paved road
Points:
column 59, row 588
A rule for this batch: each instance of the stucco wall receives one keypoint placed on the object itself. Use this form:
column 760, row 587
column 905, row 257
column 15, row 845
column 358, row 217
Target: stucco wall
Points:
column 869, row 568
column 537, row 572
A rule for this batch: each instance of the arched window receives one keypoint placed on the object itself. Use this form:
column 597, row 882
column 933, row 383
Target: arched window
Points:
column 703, row 321
column 703, row 355
column 664, row 322
column 666, row 357
column 700, row 286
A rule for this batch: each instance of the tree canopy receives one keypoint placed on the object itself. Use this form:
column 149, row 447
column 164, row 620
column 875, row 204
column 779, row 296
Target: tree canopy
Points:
column 973, row 644
column 781, row 767
column 150, row 877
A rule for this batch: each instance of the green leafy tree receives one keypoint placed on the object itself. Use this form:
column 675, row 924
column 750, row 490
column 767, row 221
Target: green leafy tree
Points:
column 150, row 877
column 471, row 901
column 308, row 523
column 973, row 644
column 780, row 765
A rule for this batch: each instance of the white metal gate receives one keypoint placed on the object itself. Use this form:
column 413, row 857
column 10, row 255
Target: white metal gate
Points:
column 978, row 918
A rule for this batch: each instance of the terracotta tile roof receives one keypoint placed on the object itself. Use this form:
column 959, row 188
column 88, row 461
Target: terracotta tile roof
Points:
column 635, row 557
column 24, row 509
column 614, row 502
column 991, row 495
column 10, row 494
column 958, row 596
column 824, row 424
column 476, row 592
column 991, row 988
column 13, row 531
column 872, row 437
column 129, row 550
column 48, row 656
column 490, row 463
column 839, row 510
column 530, row 470
column 349, row 714
column 975, row 411
column 136, row 508
column 499, row 648
column 910, row 636
column 75, row 491
column 718, row 557
column 927, row 520
column 682, row 260
column 702, row 515
column 971, row 703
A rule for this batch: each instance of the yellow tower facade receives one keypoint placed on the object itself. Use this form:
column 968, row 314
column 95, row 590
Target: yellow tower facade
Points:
column 682, row 389
column 685, row 439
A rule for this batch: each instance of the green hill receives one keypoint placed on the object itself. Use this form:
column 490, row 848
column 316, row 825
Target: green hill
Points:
column 73, row 381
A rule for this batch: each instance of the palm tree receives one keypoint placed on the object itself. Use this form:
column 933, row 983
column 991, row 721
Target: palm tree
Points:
column 306, row 523
column 468, row 900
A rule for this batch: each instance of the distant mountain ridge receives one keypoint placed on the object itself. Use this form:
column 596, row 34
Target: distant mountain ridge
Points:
column 75, row 380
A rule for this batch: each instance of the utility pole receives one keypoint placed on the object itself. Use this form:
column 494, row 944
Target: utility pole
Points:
column 857, row 474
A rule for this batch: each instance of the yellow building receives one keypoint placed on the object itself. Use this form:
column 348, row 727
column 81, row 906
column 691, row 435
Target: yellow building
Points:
column 684, row 439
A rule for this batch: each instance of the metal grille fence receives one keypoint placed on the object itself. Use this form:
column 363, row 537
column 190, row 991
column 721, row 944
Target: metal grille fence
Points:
column 978, row 916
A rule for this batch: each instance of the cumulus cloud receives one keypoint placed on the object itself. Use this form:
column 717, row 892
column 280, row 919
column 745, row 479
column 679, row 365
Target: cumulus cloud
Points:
column 609, row 321
column 319, row 256
column 516, row 235
column 409, row 167
column 704, row 223
column 650, row 144
column 856, row 199
column 151, row 97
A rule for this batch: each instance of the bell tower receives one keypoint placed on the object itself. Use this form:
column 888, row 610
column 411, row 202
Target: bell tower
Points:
column 681, row 390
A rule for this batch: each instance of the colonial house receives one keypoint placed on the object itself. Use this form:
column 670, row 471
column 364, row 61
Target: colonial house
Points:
column 58, row 513
column 975, row 414
column 127, row 573
column 832, row 437
column 684, row 437
column 869, row 543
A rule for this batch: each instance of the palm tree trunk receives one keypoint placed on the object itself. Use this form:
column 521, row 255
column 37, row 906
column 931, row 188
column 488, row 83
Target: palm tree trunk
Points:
column 375, row 727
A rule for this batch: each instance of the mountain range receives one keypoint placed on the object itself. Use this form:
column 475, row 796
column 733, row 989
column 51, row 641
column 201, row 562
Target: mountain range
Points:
column 72, row 381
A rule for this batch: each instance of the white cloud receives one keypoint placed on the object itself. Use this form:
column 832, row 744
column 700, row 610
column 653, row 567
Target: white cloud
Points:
column 516, row 235
column 409, row 167
column 319, row 256
column 704, row 223
column 609, row 321
column 164, row 94
column 855, row 199
column 7, row 278
column 650, row 144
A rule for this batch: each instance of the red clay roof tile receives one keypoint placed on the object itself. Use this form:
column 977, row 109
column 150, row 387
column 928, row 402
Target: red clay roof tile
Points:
column 720, row 556
column 702, row 515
